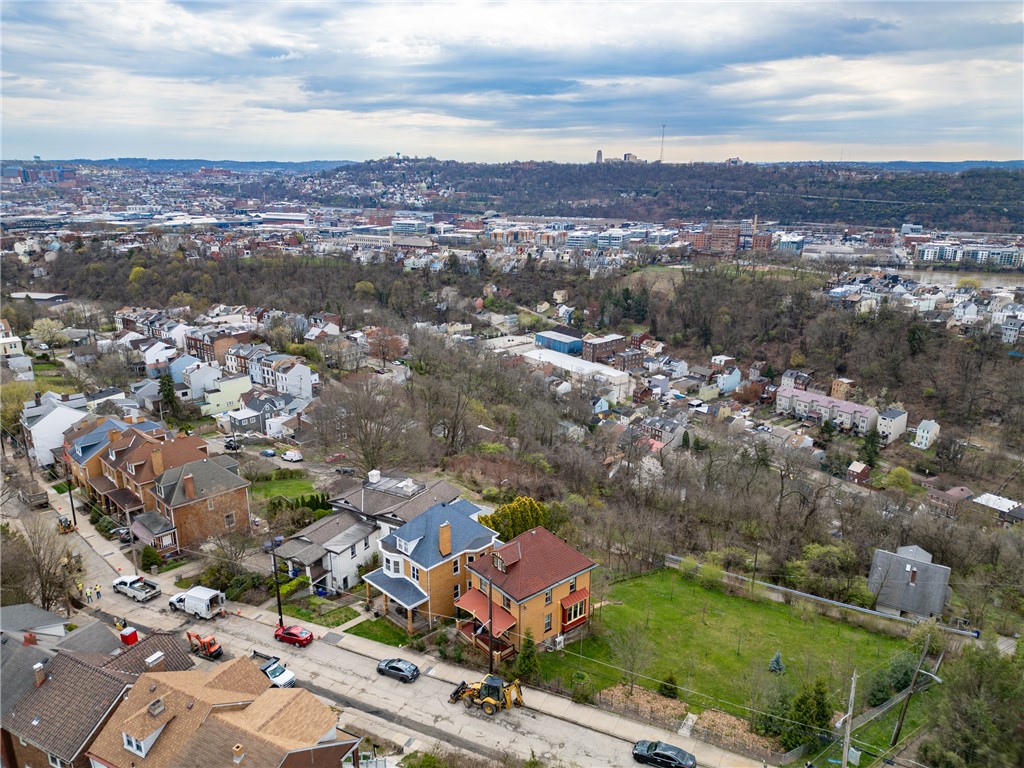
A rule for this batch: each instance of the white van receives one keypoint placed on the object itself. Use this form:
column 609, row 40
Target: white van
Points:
column 292, row 456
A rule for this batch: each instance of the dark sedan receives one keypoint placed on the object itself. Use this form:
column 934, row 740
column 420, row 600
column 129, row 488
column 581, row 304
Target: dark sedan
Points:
column 400, row 669
column 660, row 753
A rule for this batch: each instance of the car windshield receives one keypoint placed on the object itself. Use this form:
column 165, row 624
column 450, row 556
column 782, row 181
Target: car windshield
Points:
column 276, row 671
column 300, row 632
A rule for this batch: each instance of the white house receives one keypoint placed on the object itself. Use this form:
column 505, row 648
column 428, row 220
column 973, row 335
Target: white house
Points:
column 927, row 434
column 44, row 421
column 892, row 423
column 298, row 380
column 201, row 378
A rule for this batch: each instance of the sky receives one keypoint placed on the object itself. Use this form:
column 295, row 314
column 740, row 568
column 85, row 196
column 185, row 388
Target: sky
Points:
column 495, row 82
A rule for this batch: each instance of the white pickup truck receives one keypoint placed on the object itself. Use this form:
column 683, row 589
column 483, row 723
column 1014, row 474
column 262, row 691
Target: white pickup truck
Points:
column 274, row 668
column 137, row 588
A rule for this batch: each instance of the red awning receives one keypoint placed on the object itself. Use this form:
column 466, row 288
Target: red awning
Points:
column 476, row 603
column 575, row 597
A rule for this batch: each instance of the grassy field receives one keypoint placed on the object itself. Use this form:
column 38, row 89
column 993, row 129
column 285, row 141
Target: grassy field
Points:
column 875, row 736
column 299, row 486
column 334, row 618
column 716, row 644
column 383, row 631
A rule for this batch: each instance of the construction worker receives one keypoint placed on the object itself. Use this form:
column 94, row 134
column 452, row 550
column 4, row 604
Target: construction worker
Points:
column 81, row 589
column 96, row 589
column 88, row 595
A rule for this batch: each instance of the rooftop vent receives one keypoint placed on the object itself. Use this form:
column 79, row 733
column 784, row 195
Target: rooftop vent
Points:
column 155, row 707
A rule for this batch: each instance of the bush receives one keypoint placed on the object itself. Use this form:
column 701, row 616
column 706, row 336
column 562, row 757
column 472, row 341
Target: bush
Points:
column 775, row 666
column 668, row 687
column 105, row 525
column 710, row 576
column 901, row 670
column 442, row 651
column 937, row 639
column 94, row 515
column 457, row 652
column 879, row 689
column 293, row 586
column 151, row 557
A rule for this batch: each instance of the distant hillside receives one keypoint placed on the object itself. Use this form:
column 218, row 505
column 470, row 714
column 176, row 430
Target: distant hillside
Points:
column 179, row 165
column 941, row 167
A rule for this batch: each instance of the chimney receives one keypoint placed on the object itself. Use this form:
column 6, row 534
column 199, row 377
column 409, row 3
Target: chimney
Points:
column 237, row 753
column 29, row 638
column 156, row 707
column 444, row 538
column 157, row 662
column 38, row 397
column 112, row 435
column 158, row 461
column 40, row 671
column 190, row 486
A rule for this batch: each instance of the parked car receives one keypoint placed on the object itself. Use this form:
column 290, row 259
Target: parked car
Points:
column 42, row 346
column 124, row 535
column 660, row 753
column 380, row 371
column 231, row 445
column 295, row 635
column 274, row 543
column 345, row 470
column 268, row 452
column 335, row 457
column 291, row 456
column 400, row 669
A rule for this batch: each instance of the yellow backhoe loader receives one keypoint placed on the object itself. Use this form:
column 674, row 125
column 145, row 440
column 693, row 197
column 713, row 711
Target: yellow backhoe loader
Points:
column 490, row 694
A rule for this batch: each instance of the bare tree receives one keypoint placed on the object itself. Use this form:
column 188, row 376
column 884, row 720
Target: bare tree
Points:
column 634, row 651
column 44, row 553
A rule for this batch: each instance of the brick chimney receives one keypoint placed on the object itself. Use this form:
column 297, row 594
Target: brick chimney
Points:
column 158, row 461
column 157, row 662
column 444, row 538
column 40, row 671
column 237, row 753
column 112, row 435
column 190, row 486
column 29, row 638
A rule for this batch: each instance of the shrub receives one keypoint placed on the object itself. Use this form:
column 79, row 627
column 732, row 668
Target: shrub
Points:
column 668, row 687
column 775, row 666
column 901, row 670
column 879, row 689
column 151, row 557
column 457, row 652
column 293, row 586
column 105, row 525
column 442, row 651
column 419, row 645
column 441, row 640
column 710, row 576
column 94, row 515
column 937, row 639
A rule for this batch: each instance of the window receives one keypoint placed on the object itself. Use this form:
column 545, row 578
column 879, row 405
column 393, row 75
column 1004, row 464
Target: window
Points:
column 547, row 622
column 415, row 573
column 575, row 611
column 166, row 541
column 505, row 602
column 470, row 558
column 366, row 543
column 132, row 745
column 547, row 597
column 572, row 584
column 457, row 591
column 55, row 761
column 455, row 566
column 401, row 545
column 229, row 520
column 352, row 551
column 209, row 503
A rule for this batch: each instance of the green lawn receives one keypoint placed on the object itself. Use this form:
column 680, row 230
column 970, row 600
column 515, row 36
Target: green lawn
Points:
column 715, row 643
column 383, row 631
column 876, row 735
column 61, row 487
column 299, row 486
column 333, row 618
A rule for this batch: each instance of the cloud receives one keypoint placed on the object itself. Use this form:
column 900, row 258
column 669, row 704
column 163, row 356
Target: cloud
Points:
column 293, row 80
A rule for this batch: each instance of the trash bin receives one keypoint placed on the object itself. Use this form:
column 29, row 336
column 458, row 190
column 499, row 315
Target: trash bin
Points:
column 154, row 570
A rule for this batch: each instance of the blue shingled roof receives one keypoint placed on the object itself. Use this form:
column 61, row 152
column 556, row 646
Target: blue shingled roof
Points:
column 401, row 590
column 467, row 533
column 95, row 441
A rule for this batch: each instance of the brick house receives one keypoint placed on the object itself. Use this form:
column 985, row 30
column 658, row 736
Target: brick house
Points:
column 597, row 349
column 229, row 715
column 198, row 500
column 73, row 696
column 536, row 581
column 85, row 442
column 425, row 561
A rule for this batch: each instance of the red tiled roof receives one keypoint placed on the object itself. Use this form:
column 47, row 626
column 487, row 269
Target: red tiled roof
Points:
column 545, row 560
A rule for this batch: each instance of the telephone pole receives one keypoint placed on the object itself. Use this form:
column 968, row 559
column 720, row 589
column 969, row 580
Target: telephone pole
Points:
column 849, row 719
column 906, row 701
column 662, row 158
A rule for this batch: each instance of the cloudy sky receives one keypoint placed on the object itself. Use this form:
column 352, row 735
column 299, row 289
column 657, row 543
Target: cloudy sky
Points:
column 266, row 80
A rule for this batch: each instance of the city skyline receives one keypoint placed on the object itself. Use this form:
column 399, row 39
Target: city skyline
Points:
column 286, row 81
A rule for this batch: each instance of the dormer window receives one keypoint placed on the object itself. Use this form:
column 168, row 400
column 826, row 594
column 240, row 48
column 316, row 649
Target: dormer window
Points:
column 498, row 562
column 402, row 545
column 134, row 745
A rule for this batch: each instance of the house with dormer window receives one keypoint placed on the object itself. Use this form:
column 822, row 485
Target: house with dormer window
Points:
column 425, row 562
column 536, row 581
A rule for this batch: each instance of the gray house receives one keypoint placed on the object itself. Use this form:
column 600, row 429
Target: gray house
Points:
column 907, row 582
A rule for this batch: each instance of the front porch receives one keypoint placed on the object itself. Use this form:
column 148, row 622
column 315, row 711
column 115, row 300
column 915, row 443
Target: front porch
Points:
column 473, row 633
column 404, row 595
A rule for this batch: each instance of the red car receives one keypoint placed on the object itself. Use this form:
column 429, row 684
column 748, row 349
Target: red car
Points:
column 294, row 634
column 335, row 457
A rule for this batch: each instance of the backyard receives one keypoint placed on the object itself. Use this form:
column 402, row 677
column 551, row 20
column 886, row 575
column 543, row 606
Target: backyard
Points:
column 290, row 488
column 715, row 644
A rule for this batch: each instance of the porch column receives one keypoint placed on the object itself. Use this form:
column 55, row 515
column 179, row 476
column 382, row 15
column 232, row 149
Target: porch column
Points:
column 385, row 603
column 408, row 620
column 367, row 592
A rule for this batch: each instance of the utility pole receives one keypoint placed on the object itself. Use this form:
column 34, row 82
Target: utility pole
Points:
column 906, row 701
column 277, row 582
column 849, row 719
column 662, row 158
column 490, row 627
column 131, row 541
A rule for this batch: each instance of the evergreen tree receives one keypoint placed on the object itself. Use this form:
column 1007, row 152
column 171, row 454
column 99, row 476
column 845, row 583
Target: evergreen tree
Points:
column 810, row 714
column 527, row 663
column 170, row 400
column 870, row 448
column 776, row 666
